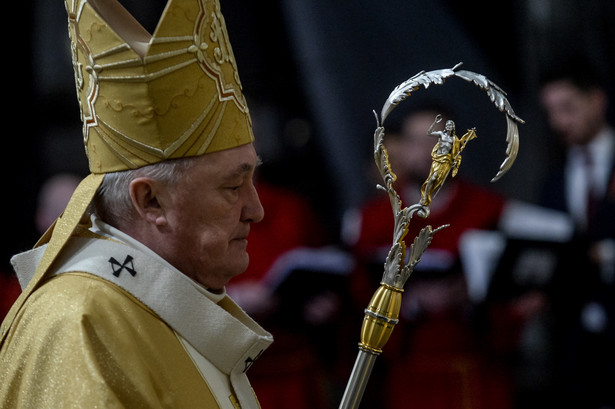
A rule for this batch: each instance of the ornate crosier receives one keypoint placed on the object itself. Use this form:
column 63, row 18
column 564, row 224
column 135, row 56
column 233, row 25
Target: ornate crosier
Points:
column 382, row 313
column 396, row 269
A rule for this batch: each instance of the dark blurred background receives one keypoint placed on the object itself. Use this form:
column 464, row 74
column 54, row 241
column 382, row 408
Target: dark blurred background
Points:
column 314, row 70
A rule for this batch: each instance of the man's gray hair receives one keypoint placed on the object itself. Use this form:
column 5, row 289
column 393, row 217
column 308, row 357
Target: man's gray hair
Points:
column 112, row 202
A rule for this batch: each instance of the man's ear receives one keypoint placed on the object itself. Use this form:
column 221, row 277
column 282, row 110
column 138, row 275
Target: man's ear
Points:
column 145, row 195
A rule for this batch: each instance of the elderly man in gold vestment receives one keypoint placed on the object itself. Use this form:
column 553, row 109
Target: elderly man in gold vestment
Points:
column 124, row 302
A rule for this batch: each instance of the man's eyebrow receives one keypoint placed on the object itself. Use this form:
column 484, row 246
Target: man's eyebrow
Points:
column 246, row 167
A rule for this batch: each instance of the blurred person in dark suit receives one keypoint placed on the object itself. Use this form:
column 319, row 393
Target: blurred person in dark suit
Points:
column 575, row 101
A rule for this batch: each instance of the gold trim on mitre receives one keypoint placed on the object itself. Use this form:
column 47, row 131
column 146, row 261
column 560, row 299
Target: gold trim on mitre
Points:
column 146, row 98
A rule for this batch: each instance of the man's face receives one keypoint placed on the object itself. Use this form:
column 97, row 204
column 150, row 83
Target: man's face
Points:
column 575, row 116
column 209, row 213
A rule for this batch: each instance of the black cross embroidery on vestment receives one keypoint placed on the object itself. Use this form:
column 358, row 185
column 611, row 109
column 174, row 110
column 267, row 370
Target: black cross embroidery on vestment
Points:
column 127, row 264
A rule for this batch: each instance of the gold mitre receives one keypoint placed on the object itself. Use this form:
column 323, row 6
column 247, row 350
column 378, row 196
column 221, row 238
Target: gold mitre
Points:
column 146, row 98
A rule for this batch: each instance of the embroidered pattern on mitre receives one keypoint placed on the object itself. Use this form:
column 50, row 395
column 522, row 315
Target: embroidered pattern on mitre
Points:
column 144, row 98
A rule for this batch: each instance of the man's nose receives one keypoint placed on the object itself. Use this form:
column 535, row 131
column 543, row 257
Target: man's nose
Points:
column 253, row 211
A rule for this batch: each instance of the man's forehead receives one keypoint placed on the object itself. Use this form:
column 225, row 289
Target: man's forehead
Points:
column 232, row 162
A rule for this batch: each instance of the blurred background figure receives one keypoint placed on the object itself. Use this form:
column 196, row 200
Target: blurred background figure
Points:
column 52, row 199
column 582, row 184
column 296, row 278
column 435, row 358
column 293, row 375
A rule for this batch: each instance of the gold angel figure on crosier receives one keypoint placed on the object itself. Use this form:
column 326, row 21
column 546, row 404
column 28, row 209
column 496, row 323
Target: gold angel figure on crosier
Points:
column 446, row 157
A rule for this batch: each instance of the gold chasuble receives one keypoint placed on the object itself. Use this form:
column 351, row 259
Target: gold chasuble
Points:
column 114, row 352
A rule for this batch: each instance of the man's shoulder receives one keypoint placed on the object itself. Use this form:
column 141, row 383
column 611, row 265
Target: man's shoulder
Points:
column 79, row 326
column 76, row 297
column 78, row 311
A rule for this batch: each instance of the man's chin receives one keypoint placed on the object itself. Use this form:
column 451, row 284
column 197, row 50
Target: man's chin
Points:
column 240, row 264
column 216, row 281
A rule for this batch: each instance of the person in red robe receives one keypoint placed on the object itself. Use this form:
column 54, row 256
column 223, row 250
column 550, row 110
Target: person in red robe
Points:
column 294, row 374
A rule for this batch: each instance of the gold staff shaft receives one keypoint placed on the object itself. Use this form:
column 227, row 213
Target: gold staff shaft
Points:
column 380, row 318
